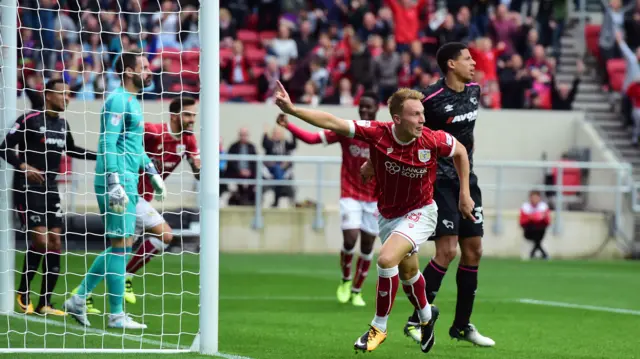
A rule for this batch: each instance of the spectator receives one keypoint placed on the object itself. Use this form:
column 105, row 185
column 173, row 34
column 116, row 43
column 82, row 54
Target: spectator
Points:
column 486, row 57
column 343, row 95
column 466, row 31
column 319, row 75
column 237, row 70
column 277, row 145
column 267, row 80
column 375, row 46
column 361, row 69
column 447, row 32
column 514, row 83
column 310, row 95
column 406, row 17
column 529, row 45
column 268, row 14
column 632, row 27
column 562, row 96
column 188, row 34
column 502, row 28
column 632, row 73
column 405, row 76
column 245, row 195
column 534, row 220
column 168, row 21
column 370, row 26
column 354, row 11
column 386, row 68
column 556, row 25
column 228, row 29
column 305, row 40
column 283, row 47
column 612, row 22
column 420, row 62
column 633, row 93
column 223, row 168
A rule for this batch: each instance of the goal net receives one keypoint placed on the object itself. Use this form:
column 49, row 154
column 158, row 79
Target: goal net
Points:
column 50, row 210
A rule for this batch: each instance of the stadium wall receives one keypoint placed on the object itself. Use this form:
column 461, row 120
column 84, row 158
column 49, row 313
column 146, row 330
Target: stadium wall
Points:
column 500, row 135
column 585, row 234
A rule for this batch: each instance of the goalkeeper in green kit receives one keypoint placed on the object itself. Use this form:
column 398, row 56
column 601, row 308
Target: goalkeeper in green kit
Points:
column 121, row 156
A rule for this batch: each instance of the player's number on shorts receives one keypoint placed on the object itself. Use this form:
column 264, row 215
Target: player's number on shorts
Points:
column 477, row 212
column 59, row 211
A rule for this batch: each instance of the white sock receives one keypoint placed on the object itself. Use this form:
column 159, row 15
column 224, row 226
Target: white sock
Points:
column 159, row 245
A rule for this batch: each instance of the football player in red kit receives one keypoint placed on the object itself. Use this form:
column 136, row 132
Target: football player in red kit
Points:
column 358, row 204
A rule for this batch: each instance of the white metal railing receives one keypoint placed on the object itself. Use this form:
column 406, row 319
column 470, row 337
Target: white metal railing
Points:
column 623, row 184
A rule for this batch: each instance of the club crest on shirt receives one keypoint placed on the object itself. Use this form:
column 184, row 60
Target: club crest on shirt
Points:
column 181, row 149
column 424, row 155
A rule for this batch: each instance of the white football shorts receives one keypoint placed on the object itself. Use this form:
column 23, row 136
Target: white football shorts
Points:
column 359, row 215
column 146, row 216
column 416, row 226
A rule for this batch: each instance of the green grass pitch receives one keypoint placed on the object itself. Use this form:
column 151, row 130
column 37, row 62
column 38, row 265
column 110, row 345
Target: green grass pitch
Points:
column 283, row 306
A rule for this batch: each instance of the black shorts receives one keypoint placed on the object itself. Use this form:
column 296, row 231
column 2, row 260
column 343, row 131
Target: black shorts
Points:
column 450, row 222
column 36, row 208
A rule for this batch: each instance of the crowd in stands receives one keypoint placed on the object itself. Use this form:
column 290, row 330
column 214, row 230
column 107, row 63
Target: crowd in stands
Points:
column 80, row 40
column 330, row 51
column 616, row 46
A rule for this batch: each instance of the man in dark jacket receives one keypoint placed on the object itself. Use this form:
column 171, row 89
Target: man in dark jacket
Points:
column 245, row 194
column 562, row 96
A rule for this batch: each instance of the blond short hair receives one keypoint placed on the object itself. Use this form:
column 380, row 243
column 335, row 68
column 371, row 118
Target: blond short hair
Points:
column 397, row 100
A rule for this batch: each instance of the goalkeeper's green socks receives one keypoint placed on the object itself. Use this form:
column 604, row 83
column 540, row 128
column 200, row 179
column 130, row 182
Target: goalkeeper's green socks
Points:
column 116, row 264
column 94, row 275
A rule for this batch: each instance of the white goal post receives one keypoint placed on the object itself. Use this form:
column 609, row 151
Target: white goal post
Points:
column 42, row 334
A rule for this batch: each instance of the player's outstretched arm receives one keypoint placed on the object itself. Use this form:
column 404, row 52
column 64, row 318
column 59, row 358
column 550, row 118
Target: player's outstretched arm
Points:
column 314, row 117
column 463, row 167
column 78, row 152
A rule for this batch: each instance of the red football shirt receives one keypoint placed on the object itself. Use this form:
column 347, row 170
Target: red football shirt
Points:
column 166, row 151
column 354, row 154
column 405, row 172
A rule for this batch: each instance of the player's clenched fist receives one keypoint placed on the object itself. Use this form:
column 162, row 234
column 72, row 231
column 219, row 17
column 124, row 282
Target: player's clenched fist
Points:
column 118, row 199
column 282, row 99
column 466, row 205
column 366, row 171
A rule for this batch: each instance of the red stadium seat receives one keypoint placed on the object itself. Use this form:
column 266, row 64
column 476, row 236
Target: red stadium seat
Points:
column 257, row 71
column 171, row 53
column 616, row 68
column 591, row 35
column 248, row 36
column 268, row 35
column 192, row 56
column 255, row 56
column 570, row 177
column 248, row 92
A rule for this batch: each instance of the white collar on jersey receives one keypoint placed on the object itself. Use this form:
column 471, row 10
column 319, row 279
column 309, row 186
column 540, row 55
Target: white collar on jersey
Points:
column 393, row 132
column 174, row 135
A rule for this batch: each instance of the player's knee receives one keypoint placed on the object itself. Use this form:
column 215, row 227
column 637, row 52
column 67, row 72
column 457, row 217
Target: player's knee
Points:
column 350, row 237
column 39, row 240
column 167, row 237
column 471, row 254
column 387, row 260
column 446, row 254
column 367, row 242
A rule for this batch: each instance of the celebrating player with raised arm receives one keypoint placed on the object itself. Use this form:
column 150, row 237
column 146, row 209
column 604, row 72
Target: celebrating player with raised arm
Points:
column 358, row 207
column 451, row 105
column 41, row 138
column 120, row 158
column 404, row 154
column 166, row 145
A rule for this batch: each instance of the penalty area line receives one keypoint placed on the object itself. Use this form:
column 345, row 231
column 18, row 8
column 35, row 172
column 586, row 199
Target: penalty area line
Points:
column 578, row 306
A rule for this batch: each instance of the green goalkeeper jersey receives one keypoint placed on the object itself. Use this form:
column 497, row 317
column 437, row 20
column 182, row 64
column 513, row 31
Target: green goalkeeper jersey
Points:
column 120, row 146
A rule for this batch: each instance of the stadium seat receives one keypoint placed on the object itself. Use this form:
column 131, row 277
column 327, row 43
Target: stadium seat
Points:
column 591, row 35
column 192, row 56
column 248, row 36
column 268, row 35
column 616, row 68
column 257, row 71
column 171, row 53
column 255, row 56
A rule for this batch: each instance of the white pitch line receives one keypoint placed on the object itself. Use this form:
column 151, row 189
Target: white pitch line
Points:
column 579, row 306
column 133, row 338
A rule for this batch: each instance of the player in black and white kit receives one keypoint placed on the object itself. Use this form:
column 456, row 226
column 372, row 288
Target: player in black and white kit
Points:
column 451, row 105
column 41, row 137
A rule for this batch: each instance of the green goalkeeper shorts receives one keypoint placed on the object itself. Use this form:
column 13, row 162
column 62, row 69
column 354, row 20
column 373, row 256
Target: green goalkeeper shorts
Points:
column 118, row 225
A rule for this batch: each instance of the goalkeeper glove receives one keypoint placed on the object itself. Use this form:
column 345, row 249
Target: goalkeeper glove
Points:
column 118, row 199
column 159, row 190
